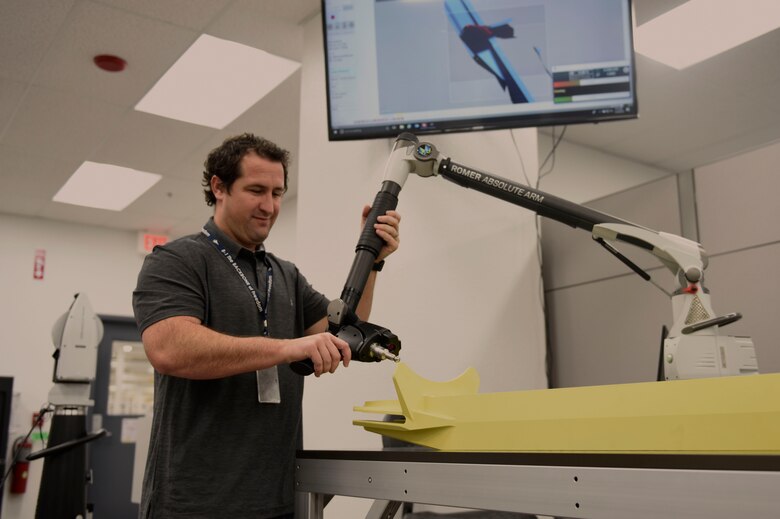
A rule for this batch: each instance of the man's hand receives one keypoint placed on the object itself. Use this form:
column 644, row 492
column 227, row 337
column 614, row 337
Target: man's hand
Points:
column 387, row 228
column 324, row 349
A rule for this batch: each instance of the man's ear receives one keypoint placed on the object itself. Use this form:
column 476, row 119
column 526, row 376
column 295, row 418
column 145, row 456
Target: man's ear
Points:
column 217, row 187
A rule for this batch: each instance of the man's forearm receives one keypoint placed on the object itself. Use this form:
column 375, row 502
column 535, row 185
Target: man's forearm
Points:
column 183, row 347
column 363, row 309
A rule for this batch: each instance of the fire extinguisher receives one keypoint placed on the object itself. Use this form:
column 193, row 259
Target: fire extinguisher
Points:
column 21, row 450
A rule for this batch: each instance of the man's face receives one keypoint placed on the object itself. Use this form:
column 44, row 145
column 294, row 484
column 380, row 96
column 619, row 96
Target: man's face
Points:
column 249, row 210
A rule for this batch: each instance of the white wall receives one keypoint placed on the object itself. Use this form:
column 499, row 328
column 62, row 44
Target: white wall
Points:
column 582, row 174
column 738, row 216
column 463, row 290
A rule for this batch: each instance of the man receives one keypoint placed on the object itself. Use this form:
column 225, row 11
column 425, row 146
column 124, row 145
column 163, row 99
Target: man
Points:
column 220, row 320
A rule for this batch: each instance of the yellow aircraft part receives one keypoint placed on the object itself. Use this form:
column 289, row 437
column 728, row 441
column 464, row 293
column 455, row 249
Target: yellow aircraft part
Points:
column 728, row 415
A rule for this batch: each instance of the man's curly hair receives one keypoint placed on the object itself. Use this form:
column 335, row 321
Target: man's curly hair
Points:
column 224, row 161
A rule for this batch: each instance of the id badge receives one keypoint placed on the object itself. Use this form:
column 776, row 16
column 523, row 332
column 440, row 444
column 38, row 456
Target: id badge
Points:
column 268, row 386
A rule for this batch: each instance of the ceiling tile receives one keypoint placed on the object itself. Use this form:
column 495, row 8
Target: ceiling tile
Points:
column 78, row 214
column 247, row 22
column 60, row 125
column 33, row 173
column 290, row 11
column 27, row 30
column 149, row 142
column 12, row 202
column 193, row 14
column 645, row 10
column 11, row 94
column 751, row 68
column 170, row 198
column 149, row 46
column 192, row 165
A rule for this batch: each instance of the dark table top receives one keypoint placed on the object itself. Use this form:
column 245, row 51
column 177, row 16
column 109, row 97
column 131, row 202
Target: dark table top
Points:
column 757, row 462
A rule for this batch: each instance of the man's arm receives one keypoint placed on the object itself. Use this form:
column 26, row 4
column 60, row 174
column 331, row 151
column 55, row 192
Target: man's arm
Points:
column 182, row 347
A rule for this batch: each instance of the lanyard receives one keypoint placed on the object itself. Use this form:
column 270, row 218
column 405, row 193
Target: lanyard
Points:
column 263, row 310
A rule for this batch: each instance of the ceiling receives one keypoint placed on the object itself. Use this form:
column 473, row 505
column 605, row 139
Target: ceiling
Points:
column 58, row 110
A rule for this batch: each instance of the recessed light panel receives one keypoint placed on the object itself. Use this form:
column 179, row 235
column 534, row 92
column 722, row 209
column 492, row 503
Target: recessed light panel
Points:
column 215, row 81
column 700, row 29
column 105, row 186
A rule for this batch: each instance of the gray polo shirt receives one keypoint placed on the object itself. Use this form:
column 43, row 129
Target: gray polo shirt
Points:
column 215, row 451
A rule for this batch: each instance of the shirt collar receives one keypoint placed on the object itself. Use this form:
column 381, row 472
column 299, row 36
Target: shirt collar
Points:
column 233, row 248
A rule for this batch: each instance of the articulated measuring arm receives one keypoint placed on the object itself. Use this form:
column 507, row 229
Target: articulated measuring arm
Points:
column 673, row 251
column 694, row 348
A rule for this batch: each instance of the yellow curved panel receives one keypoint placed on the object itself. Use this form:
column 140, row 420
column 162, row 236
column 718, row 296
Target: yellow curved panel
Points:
column 716, row 415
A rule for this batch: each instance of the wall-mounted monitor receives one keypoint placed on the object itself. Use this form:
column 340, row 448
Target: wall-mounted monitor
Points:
column 435, row 66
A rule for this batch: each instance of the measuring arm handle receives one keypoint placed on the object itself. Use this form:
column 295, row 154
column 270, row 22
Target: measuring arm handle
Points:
column 303, row 368
column 386, row 200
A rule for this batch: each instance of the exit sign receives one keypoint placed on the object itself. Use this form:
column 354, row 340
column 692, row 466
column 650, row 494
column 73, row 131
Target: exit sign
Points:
column 147, row 242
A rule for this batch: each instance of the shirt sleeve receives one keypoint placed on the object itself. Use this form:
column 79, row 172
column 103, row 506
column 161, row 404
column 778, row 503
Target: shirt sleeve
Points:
column 314, row 304
column 168, row 286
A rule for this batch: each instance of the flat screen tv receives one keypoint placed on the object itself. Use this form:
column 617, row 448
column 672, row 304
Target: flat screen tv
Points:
column 435, row 66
